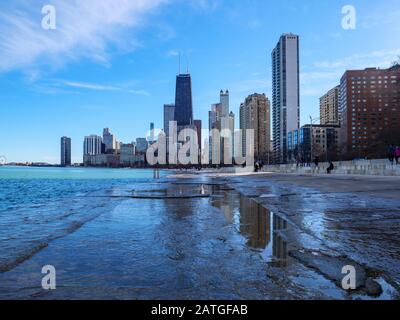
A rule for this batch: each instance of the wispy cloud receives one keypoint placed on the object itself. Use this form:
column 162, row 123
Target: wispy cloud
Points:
column 205, row 5
column 172, row 53
column 382, row 19
column 316, row 83
column 85, row 29
column 324, row 75
column 252, row 85
column 102, row 87
column 90, row 86
column 380, row 58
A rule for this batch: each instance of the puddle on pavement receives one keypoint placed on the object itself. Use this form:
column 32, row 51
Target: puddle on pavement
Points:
column 265, row 233
column 174, row 191
column 257, row 224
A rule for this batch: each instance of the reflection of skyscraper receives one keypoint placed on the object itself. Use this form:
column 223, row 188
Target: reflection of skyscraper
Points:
column 255, row 223
column 227, row 204
column 183, row 101
column 65, row 151
column 279, row 246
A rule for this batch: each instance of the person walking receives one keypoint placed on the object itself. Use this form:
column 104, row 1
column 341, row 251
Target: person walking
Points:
column 316, row 161
column 397, row 154
column 391, row 153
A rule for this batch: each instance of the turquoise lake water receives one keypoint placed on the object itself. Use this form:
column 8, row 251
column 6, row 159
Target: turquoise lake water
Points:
column 72, row 173
column 106, row 244
column 38, row 205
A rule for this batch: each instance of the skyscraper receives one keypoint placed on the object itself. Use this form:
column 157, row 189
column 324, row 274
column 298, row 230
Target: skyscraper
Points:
column 109, row 141
column 65, row 151
column 92, row 145
column 151, row 135
column 219, row 118
column 169, row 115
column 141, row 145
column 329, row 107
column 285, row 93
column 255, row 115
column 183, row 114
column 197, row 125
column 224, row 100
column 213, row 115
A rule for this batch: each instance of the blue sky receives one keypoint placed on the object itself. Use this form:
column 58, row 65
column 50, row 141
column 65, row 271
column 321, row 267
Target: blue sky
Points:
column 109, row 65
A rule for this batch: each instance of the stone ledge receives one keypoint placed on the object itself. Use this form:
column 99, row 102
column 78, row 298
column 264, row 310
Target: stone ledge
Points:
column 379, row 167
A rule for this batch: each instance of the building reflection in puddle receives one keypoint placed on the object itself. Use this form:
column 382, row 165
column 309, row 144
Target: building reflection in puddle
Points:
column 260, row 226
column 279, row 246
column 173, row 191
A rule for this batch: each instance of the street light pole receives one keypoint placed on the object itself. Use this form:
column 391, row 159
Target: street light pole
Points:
column 311, row 139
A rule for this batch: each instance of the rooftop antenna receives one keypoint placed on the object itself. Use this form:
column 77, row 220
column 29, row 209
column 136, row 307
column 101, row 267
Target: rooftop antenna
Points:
column 187, row 64
column 179, row 71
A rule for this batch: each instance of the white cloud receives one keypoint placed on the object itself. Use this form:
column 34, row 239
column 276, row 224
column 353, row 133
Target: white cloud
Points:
column 389, row 18
column 380, row 58
column 205, row 5
column 127, row 87
column 172, row 53
column 317, row 83
column 85, row 29
column 90, row 86
column 327, row 74
column 316, row 77
column 249, row 86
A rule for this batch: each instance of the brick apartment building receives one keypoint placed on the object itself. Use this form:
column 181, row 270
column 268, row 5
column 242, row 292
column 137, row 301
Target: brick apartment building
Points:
column 369, row 109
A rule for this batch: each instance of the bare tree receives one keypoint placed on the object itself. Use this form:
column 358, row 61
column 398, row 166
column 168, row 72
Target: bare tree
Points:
column 396, row 62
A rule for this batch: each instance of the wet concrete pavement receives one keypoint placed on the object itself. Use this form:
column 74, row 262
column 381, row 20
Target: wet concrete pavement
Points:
column 342, row 220
column 253, row 237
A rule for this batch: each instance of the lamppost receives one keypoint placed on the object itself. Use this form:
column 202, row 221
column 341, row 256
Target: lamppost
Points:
column 311, row 136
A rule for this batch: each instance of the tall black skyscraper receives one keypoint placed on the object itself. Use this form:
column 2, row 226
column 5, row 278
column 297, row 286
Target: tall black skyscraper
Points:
column 65, row 151
column 183, row 100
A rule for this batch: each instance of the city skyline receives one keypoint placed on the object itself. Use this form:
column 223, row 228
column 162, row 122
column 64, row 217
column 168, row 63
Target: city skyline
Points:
column 78, row 89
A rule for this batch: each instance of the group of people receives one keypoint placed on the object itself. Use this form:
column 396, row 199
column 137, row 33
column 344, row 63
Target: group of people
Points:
column 394, row 154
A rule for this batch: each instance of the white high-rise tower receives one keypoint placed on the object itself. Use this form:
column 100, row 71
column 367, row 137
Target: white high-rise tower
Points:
column 285, row 93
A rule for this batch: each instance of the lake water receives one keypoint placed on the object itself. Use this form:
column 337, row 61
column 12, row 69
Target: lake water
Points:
column 106, row 244
column 38, row 205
